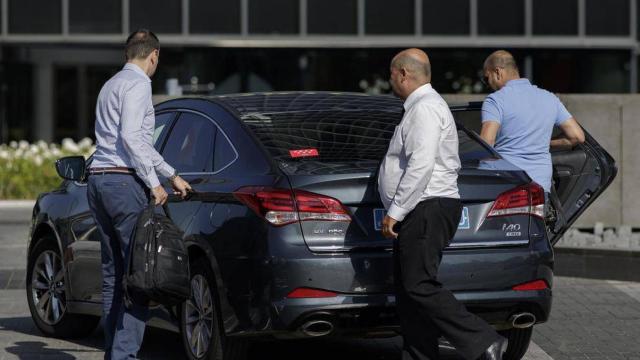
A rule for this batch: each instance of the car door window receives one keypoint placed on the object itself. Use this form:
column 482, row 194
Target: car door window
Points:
column 190, row 144
column 225, row 154
column 470, row 119
column 163, row 122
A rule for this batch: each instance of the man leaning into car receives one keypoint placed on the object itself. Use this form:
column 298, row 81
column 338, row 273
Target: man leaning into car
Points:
column 518, row 120
column 123, row 173
column 418, row 187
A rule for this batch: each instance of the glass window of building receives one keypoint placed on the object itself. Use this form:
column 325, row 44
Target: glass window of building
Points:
column 501, row 17
column 445, row 17
column 274, row 16
column 580, row 71
column 609, row 17
column 16, row 101
column 149, row 14
column 332, row 16
column 555, row 17
column 66, row 111
column 214, row 16
column 24, row 20
column 385, row 17
column 95, row 17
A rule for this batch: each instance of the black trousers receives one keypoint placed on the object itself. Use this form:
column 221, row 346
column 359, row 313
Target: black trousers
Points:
column 427, row 310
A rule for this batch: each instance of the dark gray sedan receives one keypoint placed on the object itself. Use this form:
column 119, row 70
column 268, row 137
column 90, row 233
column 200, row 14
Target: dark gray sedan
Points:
column 283, row 228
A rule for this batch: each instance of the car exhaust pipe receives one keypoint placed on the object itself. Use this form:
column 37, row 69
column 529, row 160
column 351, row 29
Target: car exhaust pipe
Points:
column 315, row 328
column 522, row 320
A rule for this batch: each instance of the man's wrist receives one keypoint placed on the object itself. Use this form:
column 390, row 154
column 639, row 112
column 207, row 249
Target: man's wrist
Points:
column 396, row 212
column 174, row 176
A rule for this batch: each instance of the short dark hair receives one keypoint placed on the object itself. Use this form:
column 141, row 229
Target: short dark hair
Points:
column 140, row 44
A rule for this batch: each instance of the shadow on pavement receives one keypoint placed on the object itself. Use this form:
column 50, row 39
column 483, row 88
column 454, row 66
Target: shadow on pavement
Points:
column 25, row 325
column 338, row 348
column 158, row 343
column 36, row 349
column 330, row 348
column 164, row 344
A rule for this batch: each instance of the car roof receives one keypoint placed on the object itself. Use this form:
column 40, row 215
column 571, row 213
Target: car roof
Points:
column 253, row 104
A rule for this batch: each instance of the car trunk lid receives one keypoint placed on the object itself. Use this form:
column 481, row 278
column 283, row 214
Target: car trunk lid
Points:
column 479, row 188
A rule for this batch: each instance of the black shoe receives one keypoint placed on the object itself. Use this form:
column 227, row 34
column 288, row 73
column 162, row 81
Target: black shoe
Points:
column 495, row 350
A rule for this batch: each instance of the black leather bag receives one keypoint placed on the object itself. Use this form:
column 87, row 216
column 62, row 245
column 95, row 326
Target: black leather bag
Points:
column 158, row 270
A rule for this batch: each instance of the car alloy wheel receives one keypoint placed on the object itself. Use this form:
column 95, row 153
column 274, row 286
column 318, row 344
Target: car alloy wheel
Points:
column 47, row 287
column 198, row 314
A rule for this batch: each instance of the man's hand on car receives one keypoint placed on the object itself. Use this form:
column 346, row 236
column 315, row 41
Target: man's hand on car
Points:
column 180, row 186
column 387, row 227
column 159, row 194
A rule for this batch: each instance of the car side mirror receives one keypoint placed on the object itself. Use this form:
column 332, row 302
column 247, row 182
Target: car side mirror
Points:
column 71, row 168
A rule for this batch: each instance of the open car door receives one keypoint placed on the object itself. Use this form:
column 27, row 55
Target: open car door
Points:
column 580, row 175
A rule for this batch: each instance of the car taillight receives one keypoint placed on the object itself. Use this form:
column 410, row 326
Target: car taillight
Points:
column 305, row 293
column 533, row 285
column 281, row 207
column 527, row 199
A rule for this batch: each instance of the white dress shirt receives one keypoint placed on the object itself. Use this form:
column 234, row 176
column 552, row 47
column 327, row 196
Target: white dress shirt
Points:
column 422, row 160
column 125, row 123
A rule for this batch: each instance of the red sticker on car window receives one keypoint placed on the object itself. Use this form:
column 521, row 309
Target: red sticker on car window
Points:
column 303, row 153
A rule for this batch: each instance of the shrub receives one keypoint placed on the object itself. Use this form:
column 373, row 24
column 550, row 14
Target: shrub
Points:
column 27, row 170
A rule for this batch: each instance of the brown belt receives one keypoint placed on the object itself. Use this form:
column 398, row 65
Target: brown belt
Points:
column 112, row 170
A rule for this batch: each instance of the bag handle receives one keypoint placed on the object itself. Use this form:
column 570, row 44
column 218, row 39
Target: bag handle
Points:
column 152, row 205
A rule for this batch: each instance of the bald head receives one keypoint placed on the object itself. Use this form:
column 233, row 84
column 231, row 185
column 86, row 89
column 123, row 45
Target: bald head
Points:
column 500, row 68
column 501, row 59
column 410, row 69
column 415, row 62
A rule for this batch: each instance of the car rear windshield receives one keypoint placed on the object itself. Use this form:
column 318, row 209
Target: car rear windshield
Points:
column 330, row 139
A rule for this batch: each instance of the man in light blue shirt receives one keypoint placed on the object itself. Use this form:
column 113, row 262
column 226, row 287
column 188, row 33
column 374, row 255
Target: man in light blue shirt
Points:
column 123, row 174
column 518, row 119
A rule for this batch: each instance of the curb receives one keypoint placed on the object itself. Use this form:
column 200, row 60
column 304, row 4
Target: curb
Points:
column 17, row 204
column 598, row 264
column 599, row 251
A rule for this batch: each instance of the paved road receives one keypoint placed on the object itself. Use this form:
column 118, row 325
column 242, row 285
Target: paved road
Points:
column 591, row 319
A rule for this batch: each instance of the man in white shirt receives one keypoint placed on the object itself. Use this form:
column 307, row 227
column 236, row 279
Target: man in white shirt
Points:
column 418, row 187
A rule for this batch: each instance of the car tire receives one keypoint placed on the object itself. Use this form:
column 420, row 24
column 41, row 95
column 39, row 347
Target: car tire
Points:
column 200, row 327
column 47, row 295
column 519, row 340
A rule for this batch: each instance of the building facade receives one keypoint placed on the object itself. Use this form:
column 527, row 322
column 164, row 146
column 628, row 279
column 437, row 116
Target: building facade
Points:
column 56, row 54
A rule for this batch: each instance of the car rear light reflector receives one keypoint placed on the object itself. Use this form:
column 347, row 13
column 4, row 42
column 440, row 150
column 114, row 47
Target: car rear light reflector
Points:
column 305, row 293
column 281, row 206
column 527, row 199
column 533, row 285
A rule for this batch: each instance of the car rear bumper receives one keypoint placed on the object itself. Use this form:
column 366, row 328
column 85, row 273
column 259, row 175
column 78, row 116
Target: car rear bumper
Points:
column 482, row 279
column 375, row 315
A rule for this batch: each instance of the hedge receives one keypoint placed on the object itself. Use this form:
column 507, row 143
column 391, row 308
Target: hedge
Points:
column 27, row 170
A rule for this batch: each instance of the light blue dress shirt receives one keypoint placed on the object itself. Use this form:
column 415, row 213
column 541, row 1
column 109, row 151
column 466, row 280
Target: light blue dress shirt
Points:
column 125, row 123
column 527, row 115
